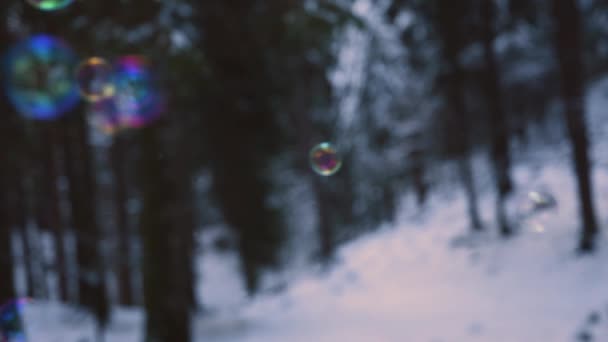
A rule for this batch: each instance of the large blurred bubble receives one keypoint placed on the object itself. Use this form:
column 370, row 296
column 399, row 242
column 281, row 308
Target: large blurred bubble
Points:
column 137, row 98
column 39, row 78
column 50, row 5
column 10, row 326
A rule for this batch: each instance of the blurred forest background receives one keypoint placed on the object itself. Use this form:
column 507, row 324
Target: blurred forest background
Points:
column 403, row 88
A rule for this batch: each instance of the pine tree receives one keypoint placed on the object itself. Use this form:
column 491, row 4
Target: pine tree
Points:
column 568, row 45
column 167, row 305
column 500, row 133
column 82, row 195
column 449, row 16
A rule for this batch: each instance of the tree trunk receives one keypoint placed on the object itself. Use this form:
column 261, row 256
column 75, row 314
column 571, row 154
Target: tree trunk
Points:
column 569, row 53
column 449, row 28
column 500, row 136
column 91, row 277
column 124, row 267
column 166, row 304
column 11, row 147
column 48, row 201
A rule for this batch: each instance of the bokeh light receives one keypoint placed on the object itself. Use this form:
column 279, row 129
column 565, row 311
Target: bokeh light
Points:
column 94, row 77
column 50, row 5
column 137, row 98
column 536, row 201
column 104, row 116
column 536, row 210
column 325, row 159
column 39, row 78
column 10, row 327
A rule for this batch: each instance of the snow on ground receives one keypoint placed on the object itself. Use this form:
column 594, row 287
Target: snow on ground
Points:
column 424, row 280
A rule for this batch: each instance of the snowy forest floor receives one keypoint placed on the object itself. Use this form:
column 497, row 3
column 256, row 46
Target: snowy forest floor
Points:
column 425, row 279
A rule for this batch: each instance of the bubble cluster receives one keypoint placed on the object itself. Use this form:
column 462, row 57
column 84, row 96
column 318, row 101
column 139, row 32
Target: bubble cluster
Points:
column 39, row 77
column 325, row 159
column 94, row 79
column 138, row 99
column 50, row 5
column 10, row 327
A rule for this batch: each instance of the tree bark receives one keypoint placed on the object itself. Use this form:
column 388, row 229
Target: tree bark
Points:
column 449, row 28
column 569, row 51
column 166, row 304
column 91, row 276
column 120, row 187
column 501, row 160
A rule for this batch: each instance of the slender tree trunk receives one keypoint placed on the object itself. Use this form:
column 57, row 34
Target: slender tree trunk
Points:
column 7, row 285
column 166, row 304
column 48, row 201
column 500, row 136
column 91, row 276
column 449, row 27
column 124, row 272
column 11, row 147
column 569, row 53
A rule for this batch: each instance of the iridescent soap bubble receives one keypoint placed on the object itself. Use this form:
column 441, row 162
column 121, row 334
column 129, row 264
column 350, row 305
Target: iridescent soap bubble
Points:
column 11, row 328
column 325, row 159
column 138, row 98
column 50, row 5
column 94, row 77
column 39, row 78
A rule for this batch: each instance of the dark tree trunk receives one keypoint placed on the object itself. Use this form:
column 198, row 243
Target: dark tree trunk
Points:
column 167, row 306
column 449, row 28
column 91, row 277
column 569, row 50
column 500, row 132
column 7, row 285
column 11, row 148
column 124, row 267
column 241, row 126
column 51, row 173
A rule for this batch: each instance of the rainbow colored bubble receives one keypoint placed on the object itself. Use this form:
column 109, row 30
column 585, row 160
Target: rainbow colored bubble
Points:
column 50, row 5
column 39, row 78
column 10, row 320
column 94, row 77
column 324, row 159
column 138, row 98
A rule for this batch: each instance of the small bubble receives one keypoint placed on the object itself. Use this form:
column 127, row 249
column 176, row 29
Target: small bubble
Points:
column 50, row 5
column 94, row 79
column 325, row 159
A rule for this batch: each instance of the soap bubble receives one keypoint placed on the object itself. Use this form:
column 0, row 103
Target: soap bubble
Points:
column 10, row 313
column 94, row 78
column 138, row 98
column 50, row 5
column 324, row 159
column 39, row 78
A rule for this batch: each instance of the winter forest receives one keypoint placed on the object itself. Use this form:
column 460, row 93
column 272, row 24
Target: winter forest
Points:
column 304, row 170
